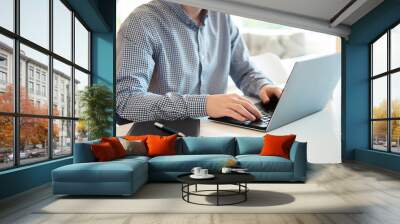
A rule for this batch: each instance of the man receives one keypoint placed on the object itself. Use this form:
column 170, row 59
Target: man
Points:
column 173, row 62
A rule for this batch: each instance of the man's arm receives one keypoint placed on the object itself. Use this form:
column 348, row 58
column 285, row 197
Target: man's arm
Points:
column 135, row 66
column 242, row 71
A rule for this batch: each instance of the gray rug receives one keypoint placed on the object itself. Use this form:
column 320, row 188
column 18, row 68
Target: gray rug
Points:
column 166, row 198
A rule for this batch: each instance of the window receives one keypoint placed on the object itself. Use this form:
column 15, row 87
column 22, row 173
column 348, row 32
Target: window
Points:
column 44, row 124
column 81, row 45
column 34, row 21
column 6, row 74
column 30, row 87
column 7, row 14
column 385, row 92
column 30, row 72
column 62, row 30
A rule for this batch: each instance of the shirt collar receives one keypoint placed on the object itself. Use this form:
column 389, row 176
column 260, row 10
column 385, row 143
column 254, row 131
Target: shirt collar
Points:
column 184, row 17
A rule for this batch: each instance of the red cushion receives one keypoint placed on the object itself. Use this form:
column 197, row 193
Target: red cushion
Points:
column 161, row 145
column 136, row 137
column 103, row 152
column 116, row 145
column 277, row 145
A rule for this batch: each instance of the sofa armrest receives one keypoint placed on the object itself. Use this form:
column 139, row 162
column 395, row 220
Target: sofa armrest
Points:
column 298, row 155
column 83, row 152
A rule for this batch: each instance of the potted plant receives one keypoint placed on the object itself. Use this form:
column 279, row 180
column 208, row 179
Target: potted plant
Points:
column 96, row 102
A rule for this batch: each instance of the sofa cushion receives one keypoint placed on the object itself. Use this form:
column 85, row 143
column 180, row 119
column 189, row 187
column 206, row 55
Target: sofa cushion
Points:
column 249, row 145
column 113, row 171
column 257, row 163
column 185, row 163
column 103, row 152
column 83, row 152
column 206, row 145
column 116, row 145
column 161, row 145
column 277, row 145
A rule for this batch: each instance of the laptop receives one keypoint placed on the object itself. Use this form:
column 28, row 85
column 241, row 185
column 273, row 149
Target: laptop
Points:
column 307, row 91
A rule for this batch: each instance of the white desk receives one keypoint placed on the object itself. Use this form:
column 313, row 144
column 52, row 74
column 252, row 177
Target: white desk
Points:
column 321, row 131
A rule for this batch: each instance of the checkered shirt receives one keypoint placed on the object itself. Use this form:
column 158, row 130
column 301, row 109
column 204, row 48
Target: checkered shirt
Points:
column 167, row 64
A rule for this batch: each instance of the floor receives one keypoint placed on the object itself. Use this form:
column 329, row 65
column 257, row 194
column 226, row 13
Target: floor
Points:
column 378, row 188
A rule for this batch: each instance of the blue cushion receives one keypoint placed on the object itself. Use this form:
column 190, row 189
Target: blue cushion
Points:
column 185, row 163
column 206, row 145
column 249, row 145
column 83, row 152
column 111, row 171
column 257, row 163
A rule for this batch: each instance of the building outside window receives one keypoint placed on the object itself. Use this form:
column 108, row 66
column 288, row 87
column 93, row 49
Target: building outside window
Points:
column 57, row 129
column 30, row 87
column 385, row 91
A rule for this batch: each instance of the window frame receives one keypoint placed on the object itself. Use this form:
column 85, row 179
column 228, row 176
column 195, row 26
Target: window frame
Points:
column 388, row 74
column 16, row 114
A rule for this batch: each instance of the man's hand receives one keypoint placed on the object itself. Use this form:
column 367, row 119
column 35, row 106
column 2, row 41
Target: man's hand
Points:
column 269, row 91
column 231, row 105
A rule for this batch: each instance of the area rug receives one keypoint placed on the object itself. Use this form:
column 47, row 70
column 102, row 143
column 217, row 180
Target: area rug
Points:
column 166, row 198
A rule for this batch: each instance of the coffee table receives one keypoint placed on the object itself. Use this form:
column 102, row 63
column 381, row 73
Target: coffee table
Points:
column 238, row 179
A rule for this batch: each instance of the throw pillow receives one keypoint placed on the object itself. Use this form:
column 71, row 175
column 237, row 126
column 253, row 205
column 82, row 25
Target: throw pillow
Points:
column 277, row 145
column 103, row 152
column 161, row 145
column 134, row 147
column 136, row 137
column 116, row 145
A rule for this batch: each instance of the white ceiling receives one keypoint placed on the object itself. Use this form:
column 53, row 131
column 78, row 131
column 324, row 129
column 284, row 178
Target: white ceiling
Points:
column 315, row 15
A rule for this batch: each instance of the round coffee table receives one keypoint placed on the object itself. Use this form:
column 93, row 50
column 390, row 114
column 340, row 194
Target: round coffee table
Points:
column 238, row 179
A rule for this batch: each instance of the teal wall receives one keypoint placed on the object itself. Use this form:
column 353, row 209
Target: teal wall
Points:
column 99, row 16
column 355, row 85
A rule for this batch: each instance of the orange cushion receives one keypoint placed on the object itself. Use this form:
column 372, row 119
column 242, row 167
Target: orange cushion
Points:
column 136, row 137
column 277, row 145
column 103, row 152
column 116, row 145
column 161, row 145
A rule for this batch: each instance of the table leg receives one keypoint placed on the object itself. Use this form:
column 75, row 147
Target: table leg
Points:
column 245, row 193
column 195, row 188
column 217, row 194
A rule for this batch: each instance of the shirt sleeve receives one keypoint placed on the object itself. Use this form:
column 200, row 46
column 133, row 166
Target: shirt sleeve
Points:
column 242, row 70
column 135, row 66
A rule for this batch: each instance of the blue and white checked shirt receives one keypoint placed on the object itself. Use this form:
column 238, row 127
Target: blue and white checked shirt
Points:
column 167, row 64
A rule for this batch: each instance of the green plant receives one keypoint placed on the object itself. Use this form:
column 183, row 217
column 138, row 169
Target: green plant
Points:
column 96, row 102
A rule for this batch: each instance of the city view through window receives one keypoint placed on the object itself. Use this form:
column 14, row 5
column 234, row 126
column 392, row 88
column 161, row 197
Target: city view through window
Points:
column 385, row 91
column 39, row 114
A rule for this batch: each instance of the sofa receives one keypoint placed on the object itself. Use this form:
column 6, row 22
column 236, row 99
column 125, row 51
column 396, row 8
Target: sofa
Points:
column 125, row 176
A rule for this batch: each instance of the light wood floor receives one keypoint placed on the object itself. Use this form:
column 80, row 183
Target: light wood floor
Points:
column 351, row 181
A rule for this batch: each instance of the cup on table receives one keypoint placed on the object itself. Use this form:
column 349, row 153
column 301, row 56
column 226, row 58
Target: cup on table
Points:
column 196, row 171
column 203, row 172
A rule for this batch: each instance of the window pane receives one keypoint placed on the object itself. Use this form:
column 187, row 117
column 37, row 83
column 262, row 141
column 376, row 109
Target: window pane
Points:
column 81, row 45
column 35, row 21
column 6, row 142
column 379, row 56
column 81, row 131
column 395, row 138
column 62, row 89
column 62, row 29
column 395, row 47
column 395, row 94
column 34, row 72
column 81, row 81
column 379, row 97
column 6, row 74
column 62, row 138
column 33, row 140
column 7, row 14
column 379, row 135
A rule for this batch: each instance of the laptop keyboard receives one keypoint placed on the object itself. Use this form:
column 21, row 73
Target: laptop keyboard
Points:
column 260, row 124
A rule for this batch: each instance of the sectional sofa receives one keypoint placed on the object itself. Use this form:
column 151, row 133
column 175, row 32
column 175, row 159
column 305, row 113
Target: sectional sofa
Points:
column 125, row 176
